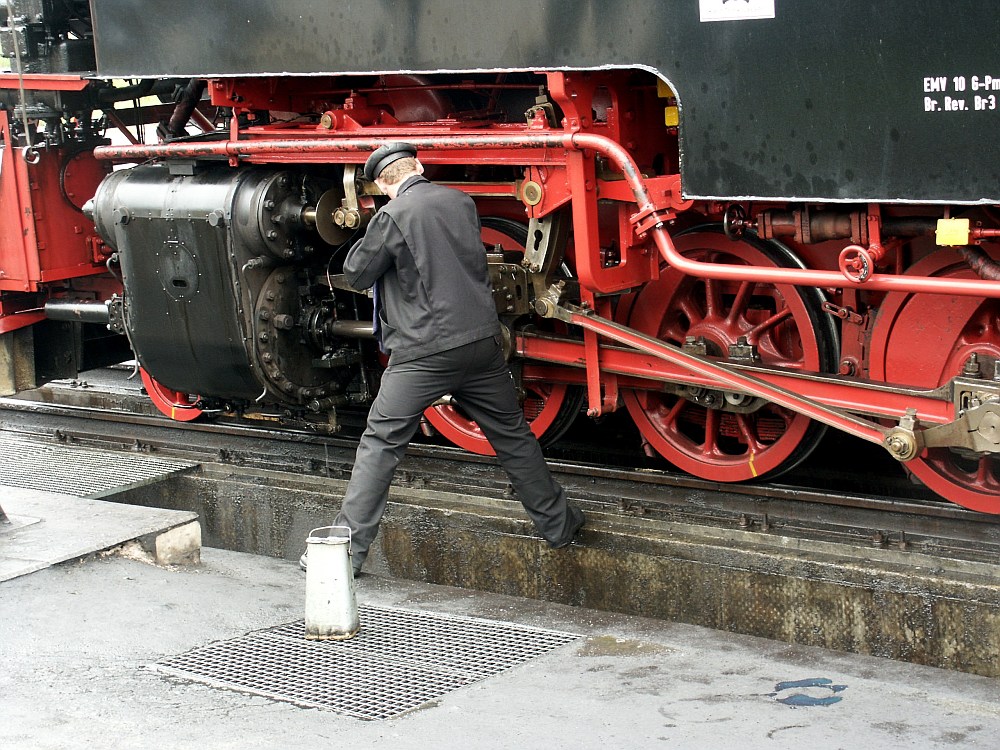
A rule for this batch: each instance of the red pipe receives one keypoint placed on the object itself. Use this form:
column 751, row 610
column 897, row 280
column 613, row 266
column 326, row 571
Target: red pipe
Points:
column 330, row 145
column 199, row 119
column 117, row 122
column 795, row 276
column 578, row 142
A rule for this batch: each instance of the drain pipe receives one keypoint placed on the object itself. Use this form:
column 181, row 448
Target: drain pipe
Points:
column 185, row 107
column 984, row 266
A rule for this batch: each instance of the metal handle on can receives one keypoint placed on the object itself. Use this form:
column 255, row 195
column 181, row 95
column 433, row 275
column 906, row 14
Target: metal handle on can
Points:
column 330, row 528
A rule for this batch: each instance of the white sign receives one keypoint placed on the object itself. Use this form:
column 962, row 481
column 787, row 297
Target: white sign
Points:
column 735, row 10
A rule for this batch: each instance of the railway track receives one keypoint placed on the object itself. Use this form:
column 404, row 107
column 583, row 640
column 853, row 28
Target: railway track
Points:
column 805, row 508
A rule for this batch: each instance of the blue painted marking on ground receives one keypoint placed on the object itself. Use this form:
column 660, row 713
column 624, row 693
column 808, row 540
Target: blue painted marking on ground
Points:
column 811, row 682
column 800, row 700
column 805, row 699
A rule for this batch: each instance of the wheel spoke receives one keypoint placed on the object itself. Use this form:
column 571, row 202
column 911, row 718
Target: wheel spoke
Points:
column 755, row 333
column 711, row 444
column 690, row 309
column 985, row 475
column 673, row 333
column 670, row 420
column 740, row 302
column 748, row 430
column 713, row 298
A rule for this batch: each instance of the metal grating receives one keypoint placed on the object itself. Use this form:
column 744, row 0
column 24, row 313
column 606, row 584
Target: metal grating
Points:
column 400, row 660
column 84, row 472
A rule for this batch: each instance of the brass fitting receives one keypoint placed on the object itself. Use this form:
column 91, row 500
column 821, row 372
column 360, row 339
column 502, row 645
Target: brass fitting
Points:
column 902, row 441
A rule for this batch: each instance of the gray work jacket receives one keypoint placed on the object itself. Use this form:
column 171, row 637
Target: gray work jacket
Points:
column 425, row 250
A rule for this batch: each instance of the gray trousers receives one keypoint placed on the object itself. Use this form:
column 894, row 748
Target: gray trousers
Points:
column 479, row 380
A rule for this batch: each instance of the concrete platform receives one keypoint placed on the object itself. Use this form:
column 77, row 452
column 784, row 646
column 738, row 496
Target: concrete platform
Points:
column 50, row 494
column 47, row 528
column 77, row 642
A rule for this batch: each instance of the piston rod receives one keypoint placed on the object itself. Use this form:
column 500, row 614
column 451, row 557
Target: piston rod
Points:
column 78, row 311
column 350, row 329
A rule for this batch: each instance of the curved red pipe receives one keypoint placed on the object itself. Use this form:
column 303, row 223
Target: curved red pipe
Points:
column 794, row 276
column 574, row 141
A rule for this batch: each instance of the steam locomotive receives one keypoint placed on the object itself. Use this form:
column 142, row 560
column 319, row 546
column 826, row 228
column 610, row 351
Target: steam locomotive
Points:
column 744, row 222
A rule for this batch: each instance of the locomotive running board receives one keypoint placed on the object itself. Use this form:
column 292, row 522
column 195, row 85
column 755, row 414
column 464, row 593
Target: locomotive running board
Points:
column 902, row 441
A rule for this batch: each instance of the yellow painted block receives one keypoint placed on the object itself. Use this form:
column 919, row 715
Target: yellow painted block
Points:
column 663, row 90
column 952, row 232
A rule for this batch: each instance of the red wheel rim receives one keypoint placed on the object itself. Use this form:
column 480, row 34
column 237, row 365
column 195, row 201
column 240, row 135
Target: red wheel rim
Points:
column 180, row 407
column 973, row 483
column 907, row 348
column 709, row 443
column 541, row 408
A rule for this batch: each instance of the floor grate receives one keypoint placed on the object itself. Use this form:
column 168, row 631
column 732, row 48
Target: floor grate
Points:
column 84, row 472
column 400, row 660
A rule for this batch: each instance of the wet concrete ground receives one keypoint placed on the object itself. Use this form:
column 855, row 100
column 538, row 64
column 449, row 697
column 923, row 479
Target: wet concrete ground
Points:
column 77, row 641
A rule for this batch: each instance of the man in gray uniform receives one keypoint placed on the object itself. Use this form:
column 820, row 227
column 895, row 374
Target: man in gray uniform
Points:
column 424, row 256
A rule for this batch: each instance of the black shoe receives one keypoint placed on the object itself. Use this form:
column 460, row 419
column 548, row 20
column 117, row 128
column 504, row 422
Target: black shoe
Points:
column 577, row 520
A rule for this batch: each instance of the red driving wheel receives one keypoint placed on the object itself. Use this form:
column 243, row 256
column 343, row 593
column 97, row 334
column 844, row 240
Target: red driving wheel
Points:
column 784, row 323
column 925, row 340
column 542, row 408
column 549, row 408
column 178, row 406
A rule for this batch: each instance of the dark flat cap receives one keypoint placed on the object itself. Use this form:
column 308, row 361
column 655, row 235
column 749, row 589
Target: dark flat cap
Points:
column 385, row 155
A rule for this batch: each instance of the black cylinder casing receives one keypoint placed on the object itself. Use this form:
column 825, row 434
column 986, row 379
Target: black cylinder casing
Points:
column 205, row 268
